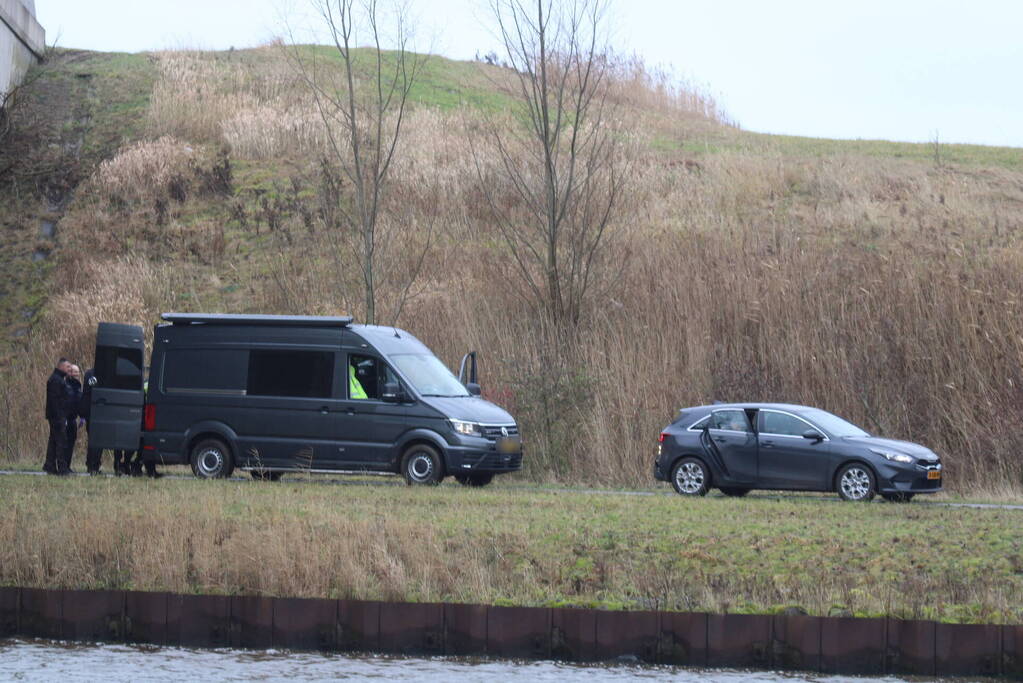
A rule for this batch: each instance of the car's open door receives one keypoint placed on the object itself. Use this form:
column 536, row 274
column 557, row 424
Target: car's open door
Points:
column 115, row 419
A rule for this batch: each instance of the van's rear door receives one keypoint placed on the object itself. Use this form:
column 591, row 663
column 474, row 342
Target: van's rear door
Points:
column 115, row 420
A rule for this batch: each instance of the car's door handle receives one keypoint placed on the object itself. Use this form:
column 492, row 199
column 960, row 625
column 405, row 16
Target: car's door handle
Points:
column 767, row 444
column 350, row 411
column 101, row 401
column 324, row 409
column 720, row 439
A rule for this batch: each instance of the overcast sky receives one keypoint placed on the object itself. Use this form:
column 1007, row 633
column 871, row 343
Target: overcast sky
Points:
column 891, row 69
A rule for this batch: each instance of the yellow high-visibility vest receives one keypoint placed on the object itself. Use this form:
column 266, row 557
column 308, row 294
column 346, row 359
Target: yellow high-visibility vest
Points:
column 355, row 389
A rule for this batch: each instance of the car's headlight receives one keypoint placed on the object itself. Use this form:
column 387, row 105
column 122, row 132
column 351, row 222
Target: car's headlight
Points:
column 892, row 455
column 467, row 428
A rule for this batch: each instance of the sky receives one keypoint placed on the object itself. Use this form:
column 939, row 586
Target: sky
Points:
column 911, row 70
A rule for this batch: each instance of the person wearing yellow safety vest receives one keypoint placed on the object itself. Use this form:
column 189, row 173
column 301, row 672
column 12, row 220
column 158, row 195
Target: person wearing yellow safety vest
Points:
column 355, row 389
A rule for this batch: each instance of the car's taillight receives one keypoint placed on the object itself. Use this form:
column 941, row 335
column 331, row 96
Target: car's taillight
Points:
column 662, row 437
column 149, row 418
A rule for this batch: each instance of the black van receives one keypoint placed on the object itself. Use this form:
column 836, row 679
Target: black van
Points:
column 273, row 394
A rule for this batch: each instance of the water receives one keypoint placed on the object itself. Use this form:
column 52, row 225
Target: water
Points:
column 42, row 660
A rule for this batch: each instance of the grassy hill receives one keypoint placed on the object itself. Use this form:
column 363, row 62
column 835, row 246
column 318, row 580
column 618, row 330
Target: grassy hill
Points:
column 879, row 280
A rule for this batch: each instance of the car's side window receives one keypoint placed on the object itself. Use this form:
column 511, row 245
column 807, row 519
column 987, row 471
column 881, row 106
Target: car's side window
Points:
column 781, row 424
column 732, row 420
column 700, row 424
column 362, row 378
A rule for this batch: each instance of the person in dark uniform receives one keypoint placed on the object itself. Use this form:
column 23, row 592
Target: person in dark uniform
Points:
column 73, row 384
column 56, row 417
column 93, row 456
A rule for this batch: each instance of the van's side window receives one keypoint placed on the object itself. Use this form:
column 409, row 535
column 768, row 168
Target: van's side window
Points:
column 307, row 374
column 367, row 376
column 214, row 371
column 118, row 368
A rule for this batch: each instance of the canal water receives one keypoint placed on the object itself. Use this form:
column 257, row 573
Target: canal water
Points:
column 42, row 660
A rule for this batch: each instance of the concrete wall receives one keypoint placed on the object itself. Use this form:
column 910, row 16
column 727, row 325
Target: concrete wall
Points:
column 22, row 42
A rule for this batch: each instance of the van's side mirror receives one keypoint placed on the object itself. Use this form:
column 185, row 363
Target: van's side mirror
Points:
column 392, row 393
column 473, row 389
column 813, row 435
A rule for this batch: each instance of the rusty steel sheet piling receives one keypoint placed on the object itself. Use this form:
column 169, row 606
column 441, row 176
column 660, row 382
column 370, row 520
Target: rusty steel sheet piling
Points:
column 305, row 624
column 795, row 642
column 967, row 649
column 10, row 601
column 853, row 646
column 910, row 648
column 94, row 616
column 738, row 640
column 519, row 632
column 683, row 638
column 465, row 629
column 252, row 621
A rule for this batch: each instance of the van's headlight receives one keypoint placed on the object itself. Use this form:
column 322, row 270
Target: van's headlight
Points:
column 893, row 455
column 467, row 428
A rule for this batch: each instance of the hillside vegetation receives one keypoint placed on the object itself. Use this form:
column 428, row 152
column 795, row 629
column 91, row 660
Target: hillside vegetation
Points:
column 881, row 281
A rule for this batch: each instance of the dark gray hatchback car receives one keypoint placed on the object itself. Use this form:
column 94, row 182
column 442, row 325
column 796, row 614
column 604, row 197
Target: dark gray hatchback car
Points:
column 743, row 446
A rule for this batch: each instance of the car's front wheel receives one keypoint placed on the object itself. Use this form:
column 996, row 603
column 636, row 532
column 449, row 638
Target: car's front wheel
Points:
column 856, row 483
column 690, row 477
column 211, row 459
column 422, row 465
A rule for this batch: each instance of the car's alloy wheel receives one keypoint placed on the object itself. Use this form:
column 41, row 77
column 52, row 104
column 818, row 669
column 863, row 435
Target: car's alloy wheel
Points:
column 211, row 459
column 690, row 477
column 856, row 483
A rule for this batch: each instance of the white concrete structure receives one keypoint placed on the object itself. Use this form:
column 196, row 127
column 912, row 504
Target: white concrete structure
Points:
column 22, row 42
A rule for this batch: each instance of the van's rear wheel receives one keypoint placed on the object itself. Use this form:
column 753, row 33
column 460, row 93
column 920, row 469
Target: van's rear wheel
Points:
column 211, row 459
column 422, row 465
column 475, row 480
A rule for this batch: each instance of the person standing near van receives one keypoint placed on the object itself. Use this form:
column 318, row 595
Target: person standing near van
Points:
column 56, row 417
column 74, row 397
column 93, row 456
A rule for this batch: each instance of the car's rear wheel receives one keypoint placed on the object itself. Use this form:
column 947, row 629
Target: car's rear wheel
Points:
column 211, row 459
column 897, row 497
column 422, row 465
column 475, row 480
column 734, row 491
column 855, row 482
column 690, row 477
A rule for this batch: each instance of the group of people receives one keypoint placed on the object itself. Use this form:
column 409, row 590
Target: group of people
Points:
column 68, row 406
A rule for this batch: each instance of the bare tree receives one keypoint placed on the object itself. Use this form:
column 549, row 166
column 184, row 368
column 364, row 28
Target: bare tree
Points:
column 561, row 171
column 362, row 98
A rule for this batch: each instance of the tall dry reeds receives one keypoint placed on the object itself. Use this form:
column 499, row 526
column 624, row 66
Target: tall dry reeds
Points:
column 887, row 291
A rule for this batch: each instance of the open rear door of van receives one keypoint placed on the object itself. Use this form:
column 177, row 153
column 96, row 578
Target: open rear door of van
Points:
column 115, row 420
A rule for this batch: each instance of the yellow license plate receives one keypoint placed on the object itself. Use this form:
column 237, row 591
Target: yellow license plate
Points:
column 934, row 474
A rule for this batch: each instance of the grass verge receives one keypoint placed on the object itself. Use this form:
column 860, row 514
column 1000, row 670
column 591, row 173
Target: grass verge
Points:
column 507, row 546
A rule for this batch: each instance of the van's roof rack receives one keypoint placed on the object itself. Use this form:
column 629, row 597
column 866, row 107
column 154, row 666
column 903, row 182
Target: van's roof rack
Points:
column 245, row 319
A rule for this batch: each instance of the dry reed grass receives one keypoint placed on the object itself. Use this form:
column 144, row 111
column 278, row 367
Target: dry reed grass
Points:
column 887, row 291
column 445, row 544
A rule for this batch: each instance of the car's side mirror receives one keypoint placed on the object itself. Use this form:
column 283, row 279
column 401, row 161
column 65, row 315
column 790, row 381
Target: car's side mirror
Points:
column 392, row 393
column 813, row 435
column 473, row 389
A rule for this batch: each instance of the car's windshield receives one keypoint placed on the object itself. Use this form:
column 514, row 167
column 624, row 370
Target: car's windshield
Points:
column 832, row 424
column 428, row 375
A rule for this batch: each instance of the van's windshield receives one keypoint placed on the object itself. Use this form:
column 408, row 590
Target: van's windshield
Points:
column 428, row 375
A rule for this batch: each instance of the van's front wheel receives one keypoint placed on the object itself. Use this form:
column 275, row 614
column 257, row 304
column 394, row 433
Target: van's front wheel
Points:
column 422, row 465
column 211, row 459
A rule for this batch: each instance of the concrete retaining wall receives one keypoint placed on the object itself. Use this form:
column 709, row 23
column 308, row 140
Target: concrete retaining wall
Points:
column 22, row 42
column 804, row 643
